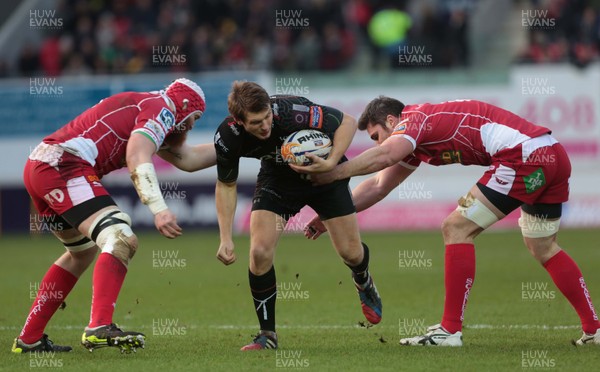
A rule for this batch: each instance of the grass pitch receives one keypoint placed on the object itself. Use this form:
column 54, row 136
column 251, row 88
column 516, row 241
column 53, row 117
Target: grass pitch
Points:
column 197, row 313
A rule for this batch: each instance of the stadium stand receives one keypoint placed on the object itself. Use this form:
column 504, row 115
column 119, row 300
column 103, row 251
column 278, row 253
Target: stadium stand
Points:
column 100, row 37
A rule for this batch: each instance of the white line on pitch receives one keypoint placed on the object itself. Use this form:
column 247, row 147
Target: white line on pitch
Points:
column 322, row 326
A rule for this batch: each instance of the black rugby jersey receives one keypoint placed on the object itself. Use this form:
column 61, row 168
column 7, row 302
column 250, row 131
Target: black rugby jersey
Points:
column 290, row 114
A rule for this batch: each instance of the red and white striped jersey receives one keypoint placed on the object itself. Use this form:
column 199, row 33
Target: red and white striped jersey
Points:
column 100, row 134
column 467, row 132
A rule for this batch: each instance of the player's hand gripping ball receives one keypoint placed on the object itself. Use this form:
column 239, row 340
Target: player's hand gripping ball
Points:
column 302, row 142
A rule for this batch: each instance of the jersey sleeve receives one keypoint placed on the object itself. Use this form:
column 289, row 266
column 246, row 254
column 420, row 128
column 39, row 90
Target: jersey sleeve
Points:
column 228, row 160
column 155, row 121
column 409, row 129
column 412, row 127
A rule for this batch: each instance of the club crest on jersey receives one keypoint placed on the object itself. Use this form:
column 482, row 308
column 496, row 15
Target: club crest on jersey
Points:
column 534, row 181
column 166, row 118
column 316, row 117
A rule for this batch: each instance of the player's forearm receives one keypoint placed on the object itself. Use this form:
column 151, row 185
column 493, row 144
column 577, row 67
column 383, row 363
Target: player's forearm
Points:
column 190, row 158
column 367, row 194
column 343, row 137
column 202, row 156
column 226, row 201
column 139, row 162
column 370, row 161
column 374, row 189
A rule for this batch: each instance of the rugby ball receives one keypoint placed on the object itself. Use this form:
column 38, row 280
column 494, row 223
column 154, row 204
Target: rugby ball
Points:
column 302, row 142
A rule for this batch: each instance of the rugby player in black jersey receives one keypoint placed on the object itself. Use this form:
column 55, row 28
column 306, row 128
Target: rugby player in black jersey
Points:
column 257, row 128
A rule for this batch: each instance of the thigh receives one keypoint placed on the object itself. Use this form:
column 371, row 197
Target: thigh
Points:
column 333, row 200
column 559, row 169
column 72, row 190
column 275, row 195
column 37, row 177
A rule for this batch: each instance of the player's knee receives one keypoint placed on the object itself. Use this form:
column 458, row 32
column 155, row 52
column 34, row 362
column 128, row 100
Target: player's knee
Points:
column 453, row 228
column 86, row 256
column 261, row 252
column 539, row 235
column 542, row 249
column 112, row 233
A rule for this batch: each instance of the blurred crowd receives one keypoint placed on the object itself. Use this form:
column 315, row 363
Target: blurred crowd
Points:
column 134, row 36
column 562, row 31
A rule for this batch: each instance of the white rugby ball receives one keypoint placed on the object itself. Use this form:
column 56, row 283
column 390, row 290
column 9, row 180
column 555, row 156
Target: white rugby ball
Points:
column 302, row 142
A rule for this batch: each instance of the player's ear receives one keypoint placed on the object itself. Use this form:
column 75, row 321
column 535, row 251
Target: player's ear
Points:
column 389, row 122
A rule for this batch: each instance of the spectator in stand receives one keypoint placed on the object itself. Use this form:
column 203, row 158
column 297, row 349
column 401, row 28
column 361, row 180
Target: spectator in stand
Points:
column 118, row 36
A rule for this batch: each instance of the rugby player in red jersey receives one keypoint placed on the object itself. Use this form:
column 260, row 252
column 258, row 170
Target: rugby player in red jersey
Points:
column 528, row 168
column 62, row 176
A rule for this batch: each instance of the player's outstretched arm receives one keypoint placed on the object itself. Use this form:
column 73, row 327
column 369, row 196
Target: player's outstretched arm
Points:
column 190, row 158
column 389, row 153
column 374, row 189
column 226, row 200
column 139, row 162
column 365, row 195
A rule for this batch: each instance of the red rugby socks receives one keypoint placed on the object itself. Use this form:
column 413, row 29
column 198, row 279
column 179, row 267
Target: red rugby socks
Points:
column 109, row 275
column 52, row 291
column 458, row 277
column 566, row 275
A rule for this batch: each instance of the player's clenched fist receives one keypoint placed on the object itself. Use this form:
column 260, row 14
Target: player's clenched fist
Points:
column 314, row 228
column 226, row 253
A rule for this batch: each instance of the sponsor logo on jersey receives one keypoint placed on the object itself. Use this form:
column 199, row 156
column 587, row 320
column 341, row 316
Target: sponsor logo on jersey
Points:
column 54, row 195
column 166, row 118
column 301, row 108
column 451, row 156
column 154, row 130
column 220, row 143
column 400, row 128
column 233, row 126
column 94, row 180
column 316, row 117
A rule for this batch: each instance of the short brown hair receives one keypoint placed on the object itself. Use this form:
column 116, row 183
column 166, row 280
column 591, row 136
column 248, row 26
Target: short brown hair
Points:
column 246, row 96
column 378, row 109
